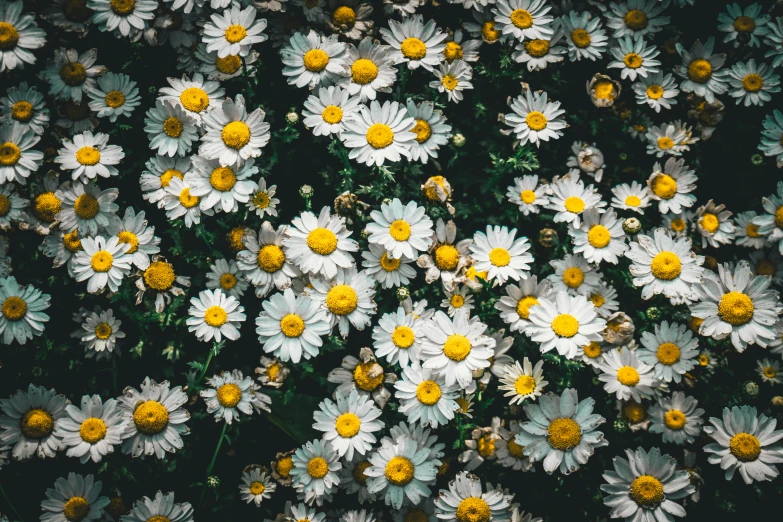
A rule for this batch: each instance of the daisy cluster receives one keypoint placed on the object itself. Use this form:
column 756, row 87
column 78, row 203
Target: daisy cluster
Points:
column 344, row 233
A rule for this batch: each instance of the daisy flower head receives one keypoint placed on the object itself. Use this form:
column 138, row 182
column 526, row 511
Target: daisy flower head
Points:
column 657, row 91
column 382, row 267
column 671, row 349
column 635, row 58
column 25, row 105
column 272, row 372
column 350, row 18
column 256, row 486
column 715, row 225
column 263, row 261
column 162, row 506
column 114, row 95
column 128, row 17
column 516, row 305
column 772, row 137
column 61, row 15
column 481, row 445
column 19, row 37
column 625, row 375
column 700, row 70
column 214, row 314
column 220, row 187
column 379, row 133
column 748, row 232
column 645, row 485
column 327, row 109
column 348, row 423
column 743, row 26
column 301, row 512
column 767, row 263
column 217, row 68
column 320, row 245
column 737, row 304
column 161, row 170
column 415, row 42
column 85, row 207
column 364, row 375
column 528, row 195
column 636, row 18
column 564, row 322
column 769, row 371
column 62, row 248
column 588, row 159
column 770, row 224
column 234, row 32
column 634, row 197
column 227, row 394
column 424, row 396
column 371, row 67
column 453, row 78
column 132, row 230
column 570, row 198
column 677, row 418
column 28, row 422
column 561, row 431
column 70, row 74
column 225, row 274
column 75, row 498
column 534, row 119
column 100, row 330
column 431, row 132
column 539, row 53
column 401, row 230
column 501, row 254
column 315, row 467
column 484, row 25
column 17, row 160
column 197, row 96
column 102, row 262
column 752, row 84
column 233, row 136
column 465, row 501
column 510, row 454
column 179, row 202
column 745, row 441
column 677, row 224
column 89, row 156
column 457, row 48
column 291, row 327
column 91, row 430
column 599, row 238
column 398, row 337
column 662, row 264
column 672, row 185
column 670, row 138
column 347, row 299
column 574, row 275
column 524, row 19
column 584, row 35
column 263, row 201
column 12, row 207
column 457, row 299
column 170, row 128
column 313, row 60
column 523, row 382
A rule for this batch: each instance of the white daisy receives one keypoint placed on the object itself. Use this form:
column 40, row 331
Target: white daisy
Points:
column 588, row 159
column 379, row 132
column 672, row 185
column 446, row 257
column 353, row 479
column 301, row 512
column 510, row 454
column 214, row 314
column 677, row 418
column 459, row 49
column 636, row 18
column 401, row 230
column 371, row 67
column 348, row 423
column 20, row 36
column 234, row 32
column 233, row 136
column 769, row 371
column 127, row 16
column 772, row 137
column 415, row 42
column 677, row 224
column 263, row 262
column 313, row 60
column 527, row 194
column 63, row 248
column 431, row 130
column 26, row 106
column 17, row 161
column 132, row 229
column 161, row 171
column 743, row 27
column 315, row 467
column 747, row 232
column 12, row 207
column 501, row 255
column 569, row 198
column 389, row 272
column 751, row 83
column 584, row 35
column 115, row 95
column 768, row 263
column 70, row 74
column 263, row 201
column 634, row 197
column 672, row 350
column 364, row 376
column 670, row 138
column 347, row 299
column 320, row 245
column 231, row 66
column 574, row 275
column 75, row 498
column 228, row 394
column 424, row 397
column 515, row 306
column 28, row 422
column 599, row 238
column 566, row 322
column 256, row 486
column 220, row 187
column 100, row 330
column 70, row 17
column 224, row 274
column 700, row 70
column 535, row 119
column 197, row 96
column 291, row 327
column 170, row 128
column 465, row 501
column 398, row 337
column 89, row 156
column 626, row 376
column 523, row 382
column 91, row 431
column 539, row 53
column 524, row 19
column 85, row 207
column 162, row 506
column 457, row 299
column 770, row 224
column 180, row 202
column 327, row 110
column 453, row 78
column 714, row 224
column 483, row 24
column 656, row 90
column 102, row 262
column 635, row 58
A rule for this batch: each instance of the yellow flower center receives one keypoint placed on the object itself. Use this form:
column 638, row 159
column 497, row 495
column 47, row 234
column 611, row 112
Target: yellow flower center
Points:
column 769, row 372
column 634, row 412
column 72, row 242
column 9, row 154
column 368, row 376
column 271, row 258
column 5, row 205
column 766, row 267
column 194, row 99
column 21, row 111
column 709, row 222
column 593, row 350
column 400, row 230
column 521, row 18
column 677, row 224
column 257, row 488
column 674, row 420
column 150, row 417
column 272, row 371
column 597, row 299
column 564, row 434
column 389, row 264
column 422, row 130
column 315, row 60
column 449, row 82
column 628, row 376
column 752, row 230
column 123, row 7
column 379, row 135
column 413, row 49
column 633, row 201
column 633, row 61
column 668, row 353
column 574, row 204
column 581, row 38
column 46, row 206
column 666, row 266
column 347, row 425
column 415, row 515
column 159, row 276
column 236, row 135
column 92, row 430
column 536, row 120
column 76, row 509
column 735, row 308
column 222, row 179
column 166, row 177
column 604, row 90
column 753, row 82
column 88, row 156
column 700, row 70
column 403, row 337
column 322, row 241
column 227, row 281
column 514, row 449
column 115, row 99
column 665, row 143
column 473, row 509
column 446, row 257
column 573, row 277
column 261, row 200
column 428, row 392
column 399, row 471
column 537, row 48
column 37, row 423
column 486, row 446
column 358, row 472
column 129, row 238
column 499, row 256
column 744, row 24
column 101, row 261
column 228, row 65
column 453, row 51
column 172, row 127
column 457, row 347
column 598, row 236
column 344, row 15
column 215, row 316
column 646, row 490
column 229, row 395
column 73, row 74
column 636, row 20
column 103, row 331
column 565, row 325
column 654, row 92
column 235, row 33
column 488, row 31
column 317, row 467
column 527, row 196
column 457, row 301
column 285, row 465
column 779, row 217
column 341, row 300
column 9, row 36
column 292, row 325
column 363, row 71
column 332, row 114
column 525, row 384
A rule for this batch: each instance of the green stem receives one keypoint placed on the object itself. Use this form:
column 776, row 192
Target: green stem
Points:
column 13, row 508
column 248, row 87
column 206, row 364
column 212, row 462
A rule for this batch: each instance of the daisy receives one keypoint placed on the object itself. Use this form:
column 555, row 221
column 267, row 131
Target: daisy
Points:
column 516, row 305
column 28, row 422
column 770, row 224
column 371, row 67
column 312, row 9
column 179, row 202
column 196, row 96
column 17, row 161
column 671, row 138
column 767, row 264
column 70, row 17
column 625, row 375
column 71, row 74
column 588, row 159
column 263, row 261
column 349, row 18
column 398, row 337
column 353, row 479
column 114, row 96
column 527, row 194
column 772, row 136
column 599, row 238
column 228, row 394
column 401, row 230
column 425, row 397
column 162, row 506
column 26, row 106
column 465, row 501
column 481, row 445
column 509, row 453
column 132, row 230
column 457, row 49
column 700, row 70
column 743, row 27
column 220, row 187
column 769, row 371
column 320, row 245
column 89, row 156
column 634, row 197
column 584, row 34
column 672, row 185
column 313, row 60
column 272, row 372
column 379, row 132
column 524, row 19
column 85, row 207
column 662, row 264
column 315, row 467
column 11, row 207
column 263, row 201
column 714, row 224
column 746, row 442
column 431, row 131
column 484, row 25
column 127, row 17
column 234, row 32
column 349, row 423
column 644, row 486
column 566, row 323
column 677, row 418
column 523, row 383
column 415, row 42
column 170, row 128
column 347, row 299
column 501, row 255
column 736, row 305
column 539, row 53
column 751, row 83
column 403, row 8
column 603, row 90
column 364, row 376
column 232, row 135
column 102, row 262
column 389, row 272
column 291, row 327
column 100, row 330
column 224, row 274
column 75, row 498
column 75, row 117
column 63, row 248
column 561, row 431
column 677, row 224
column 672, row 350
column 636, row 18
column 748, row 232
column 457, row 299
column 19, row 37
column 570, row 198
column 301, row 512
column 535, row 119
column 635, row 58
column 91, row 431
column 656, row 90
column 574, row 275
column 214, row 314
column 256, row 486
column 453, row 78
column 327, row 110
column 231, row 66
